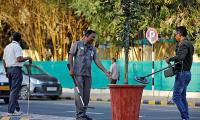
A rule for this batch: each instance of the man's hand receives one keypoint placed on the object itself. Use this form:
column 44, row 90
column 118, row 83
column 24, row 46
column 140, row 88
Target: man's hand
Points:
column 30, row 60
column 167, row 61
column 108, row 74
column 71, row 72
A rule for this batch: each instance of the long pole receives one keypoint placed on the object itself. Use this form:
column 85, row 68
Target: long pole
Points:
column 160, row 70
column 153, row 64
column 29, row 79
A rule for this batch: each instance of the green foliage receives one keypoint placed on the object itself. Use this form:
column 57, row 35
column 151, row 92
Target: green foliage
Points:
column 107, row 17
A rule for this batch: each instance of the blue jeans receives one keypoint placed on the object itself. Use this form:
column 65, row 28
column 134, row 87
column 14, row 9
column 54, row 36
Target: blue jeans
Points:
column 182, row 80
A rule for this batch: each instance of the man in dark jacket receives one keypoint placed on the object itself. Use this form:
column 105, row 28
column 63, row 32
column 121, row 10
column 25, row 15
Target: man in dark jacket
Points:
column 184, row 57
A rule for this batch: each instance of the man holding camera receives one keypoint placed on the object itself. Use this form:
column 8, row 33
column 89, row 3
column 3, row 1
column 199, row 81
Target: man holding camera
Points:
column 184, row 58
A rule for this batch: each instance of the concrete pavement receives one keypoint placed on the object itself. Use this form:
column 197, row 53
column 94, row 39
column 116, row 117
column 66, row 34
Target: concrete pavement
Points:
column 3, row 116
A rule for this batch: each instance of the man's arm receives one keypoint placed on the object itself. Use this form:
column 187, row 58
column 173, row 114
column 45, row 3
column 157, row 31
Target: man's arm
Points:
column 111, row 68
column 71, row 65
column 19, row 55
column 180, row 55
column 23, row 59
column 5, row 68
column 72, row 53
column 98, row 63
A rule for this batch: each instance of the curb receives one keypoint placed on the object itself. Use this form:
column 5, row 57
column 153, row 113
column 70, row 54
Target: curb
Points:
column 164, row 102
column 156, row 98
column 149, row 102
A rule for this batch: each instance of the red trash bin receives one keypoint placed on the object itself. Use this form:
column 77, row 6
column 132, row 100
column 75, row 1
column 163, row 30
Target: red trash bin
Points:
column 125, row 101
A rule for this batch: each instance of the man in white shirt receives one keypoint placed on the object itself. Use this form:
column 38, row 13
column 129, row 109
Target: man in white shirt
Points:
column 13, row 61
column 114, row 71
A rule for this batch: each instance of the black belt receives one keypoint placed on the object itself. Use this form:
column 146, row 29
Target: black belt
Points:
column 14, row 67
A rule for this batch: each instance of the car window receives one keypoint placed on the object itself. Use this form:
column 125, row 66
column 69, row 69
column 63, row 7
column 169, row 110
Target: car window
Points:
column 34, row 70
column 1, row 67
column 24, row 70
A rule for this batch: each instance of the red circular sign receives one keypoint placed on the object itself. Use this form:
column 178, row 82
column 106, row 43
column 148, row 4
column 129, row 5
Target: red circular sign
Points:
column 152, row 35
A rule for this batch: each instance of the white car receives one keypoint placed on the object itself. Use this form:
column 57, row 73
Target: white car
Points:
column 41, row 84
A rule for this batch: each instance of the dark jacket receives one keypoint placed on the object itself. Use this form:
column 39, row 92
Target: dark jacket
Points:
column 184, row 55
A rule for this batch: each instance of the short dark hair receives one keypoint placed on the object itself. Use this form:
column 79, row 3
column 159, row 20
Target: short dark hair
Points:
column 182, row 30
column 16, row 36
column 88, row 32
column 114, row 59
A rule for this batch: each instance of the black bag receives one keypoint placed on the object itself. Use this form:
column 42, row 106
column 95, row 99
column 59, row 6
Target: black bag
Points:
column 169, row 72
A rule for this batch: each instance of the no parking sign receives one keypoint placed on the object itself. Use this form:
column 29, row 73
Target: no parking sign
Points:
column 152, row 35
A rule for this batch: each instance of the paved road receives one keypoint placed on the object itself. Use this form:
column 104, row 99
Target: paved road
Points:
column 64, row 110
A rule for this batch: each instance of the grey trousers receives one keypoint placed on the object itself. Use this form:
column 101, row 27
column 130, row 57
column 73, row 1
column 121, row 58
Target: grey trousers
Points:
column 84, row 85
column 113, row 81
column 15, row 81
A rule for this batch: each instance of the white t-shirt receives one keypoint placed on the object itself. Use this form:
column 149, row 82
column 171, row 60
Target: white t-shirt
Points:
column 11, row 53
column 114, row 71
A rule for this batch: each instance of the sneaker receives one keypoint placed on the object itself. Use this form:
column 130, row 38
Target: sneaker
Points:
column 17, row 108
column 16, row 113
column 81, row 118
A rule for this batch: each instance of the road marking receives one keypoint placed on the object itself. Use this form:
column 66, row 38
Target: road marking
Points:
column 157, row 109
column 68, row 104
column 163, row 102
column 191, row 104
column 94, row 113
column 152, row 102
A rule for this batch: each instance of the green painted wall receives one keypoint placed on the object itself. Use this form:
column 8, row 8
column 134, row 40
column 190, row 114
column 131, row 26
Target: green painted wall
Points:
column 99, row 80
column 59, row 70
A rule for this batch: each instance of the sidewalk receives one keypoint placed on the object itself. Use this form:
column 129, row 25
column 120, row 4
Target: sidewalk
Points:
column 33, row 117
column 158, row 98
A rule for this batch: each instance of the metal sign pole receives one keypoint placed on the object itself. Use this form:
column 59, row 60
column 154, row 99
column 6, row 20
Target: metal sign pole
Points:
column 152, row 36
column 153, row 64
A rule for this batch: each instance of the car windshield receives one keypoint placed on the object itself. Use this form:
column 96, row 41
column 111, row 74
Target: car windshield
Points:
column 34, row 70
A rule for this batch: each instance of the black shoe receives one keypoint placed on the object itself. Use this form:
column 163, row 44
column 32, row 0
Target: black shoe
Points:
column 81, row 118
column 87, row 117
column 17, row 109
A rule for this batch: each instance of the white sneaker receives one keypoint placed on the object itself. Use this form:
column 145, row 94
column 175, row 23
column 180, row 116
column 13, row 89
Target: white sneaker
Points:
column 16, row 113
